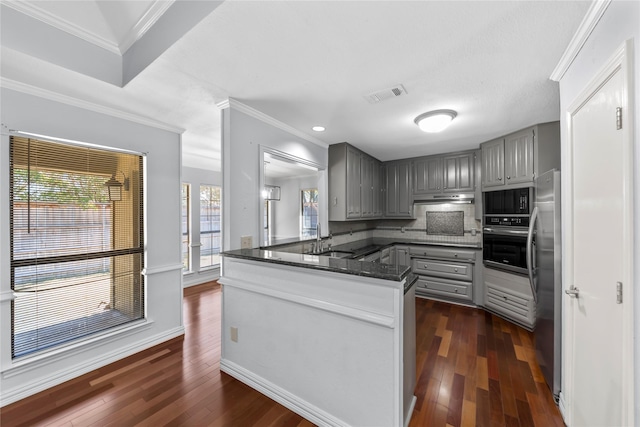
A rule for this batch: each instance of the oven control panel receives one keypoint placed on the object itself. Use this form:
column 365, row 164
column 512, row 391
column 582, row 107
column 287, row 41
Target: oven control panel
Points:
column 507, row 221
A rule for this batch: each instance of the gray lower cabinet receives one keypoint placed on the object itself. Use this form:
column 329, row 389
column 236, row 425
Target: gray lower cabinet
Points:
column 510, row 296
column 443, row 288
column 443, row 273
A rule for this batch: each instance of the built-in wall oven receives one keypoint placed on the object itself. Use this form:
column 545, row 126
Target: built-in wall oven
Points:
column 506, row 229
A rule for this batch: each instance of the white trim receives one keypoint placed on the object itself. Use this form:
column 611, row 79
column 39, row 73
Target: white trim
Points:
column 250, row 111
column 7, row 296
column 151, row 16
column 562, row 406
column 68, row 100
column 620, row 61
column 71, row 372
column 354, row 313
column 280, row 395
column 161, row 269
column 589, row 22
column 33, row 11
column 203, row 276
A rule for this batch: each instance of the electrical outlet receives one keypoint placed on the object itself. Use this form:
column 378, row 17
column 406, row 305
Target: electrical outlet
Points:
column 234, row 334
column 246, row 242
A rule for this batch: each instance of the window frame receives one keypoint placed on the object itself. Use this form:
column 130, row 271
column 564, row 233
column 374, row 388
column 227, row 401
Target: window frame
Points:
column 136, row 233
column 219, row 232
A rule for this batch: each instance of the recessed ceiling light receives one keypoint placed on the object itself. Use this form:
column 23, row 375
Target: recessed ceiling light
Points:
column 318, row 128
column 435, row 121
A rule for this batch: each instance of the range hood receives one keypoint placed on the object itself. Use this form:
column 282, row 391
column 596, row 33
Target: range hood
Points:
column 444, row 198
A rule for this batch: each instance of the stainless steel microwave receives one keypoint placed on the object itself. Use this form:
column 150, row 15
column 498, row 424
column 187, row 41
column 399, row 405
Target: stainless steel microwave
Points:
column 517, row 201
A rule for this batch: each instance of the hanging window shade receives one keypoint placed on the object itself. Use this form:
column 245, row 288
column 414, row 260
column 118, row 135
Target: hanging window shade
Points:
column 76, row 256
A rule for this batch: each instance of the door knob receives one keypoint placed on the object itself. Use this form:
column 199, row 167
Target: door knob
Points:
column 572, row 292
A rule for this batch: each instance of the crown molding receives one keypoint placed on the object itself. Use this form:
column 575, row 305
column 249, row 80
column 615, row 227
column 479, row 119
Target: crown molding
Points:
column 157, row 9
column 86, row 105
column 586, row 27
column 29, row 9
column 250, row 111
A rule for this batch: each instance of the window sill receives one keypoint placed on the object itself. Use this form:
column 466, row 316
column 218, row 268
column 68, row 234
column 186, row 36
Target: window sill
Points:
column 46, row 357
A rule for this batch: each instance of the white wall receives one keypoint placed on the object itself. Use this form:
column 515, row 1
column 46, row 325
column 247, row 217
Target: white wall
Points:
column 242, row 136
column 20, row 111
column 197, row 177
column 620, row 22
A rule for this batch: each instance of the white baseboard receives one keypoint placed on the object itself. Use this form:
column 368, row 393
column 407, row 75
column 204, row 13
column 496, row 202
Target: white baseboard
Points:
column 409, row 414
column 286, row 399
column 563, row 407
column 58, row 377
column 193, row 279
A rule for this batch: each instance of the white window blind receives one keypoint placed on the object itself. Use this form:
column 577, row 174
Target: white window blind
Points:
column 76, row 257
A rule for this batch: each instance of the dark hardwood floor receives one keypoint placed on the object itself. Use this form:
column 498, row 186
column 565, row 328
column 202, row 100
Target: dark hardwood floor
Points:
column 473, row 368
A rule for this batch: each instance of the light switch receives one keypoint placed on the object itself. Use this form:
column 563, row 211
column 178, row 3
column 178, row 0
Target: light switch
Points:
column 234, row 334
column 246, row 242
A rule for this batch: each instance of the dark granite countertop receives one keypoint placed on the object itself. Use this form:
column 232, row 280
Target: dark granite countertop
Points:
column 337, row 265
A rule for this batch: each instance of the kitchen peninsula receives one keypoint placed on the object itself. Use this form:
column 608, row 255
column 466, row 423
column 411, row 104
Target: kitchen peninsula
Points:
column 332, row 339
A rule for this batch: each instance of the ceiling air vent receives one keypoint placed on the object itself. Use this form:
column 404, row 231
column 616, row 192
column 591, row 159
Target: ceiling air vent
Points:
column 384, row 94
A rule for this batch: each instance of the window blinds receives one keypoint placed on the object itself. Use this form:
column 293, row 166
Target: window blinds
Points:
column 76, row 257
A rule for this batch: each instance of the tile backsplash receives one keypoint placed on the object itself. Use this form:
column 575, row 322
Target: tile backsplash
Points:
column 414, row 229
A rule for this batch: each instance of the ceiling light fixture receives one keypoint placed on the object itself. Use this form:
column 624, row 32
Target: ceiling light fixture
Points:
column 435, row 121
column 318, row 128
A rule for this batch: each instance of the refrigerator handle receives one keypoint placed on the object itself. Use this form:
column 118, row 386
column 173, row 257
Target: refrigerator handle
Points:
column 532, row 223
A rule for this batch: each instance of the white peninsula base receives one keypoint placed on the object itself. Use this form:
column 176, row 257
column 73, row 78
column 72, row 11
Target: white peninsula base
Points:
column 336, row 348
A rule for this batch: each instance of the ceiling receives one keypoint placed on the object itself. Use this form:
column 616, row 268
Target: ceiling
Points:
column 309, row 63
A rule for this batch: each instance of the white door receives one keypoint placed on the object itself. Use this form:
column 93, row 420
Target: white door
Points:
column 599, row 256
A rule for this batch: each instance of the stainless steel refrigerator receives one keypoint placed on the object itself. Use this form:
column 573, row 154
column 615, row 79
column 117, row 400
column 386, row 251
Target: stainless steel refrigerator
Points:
column 545, row 274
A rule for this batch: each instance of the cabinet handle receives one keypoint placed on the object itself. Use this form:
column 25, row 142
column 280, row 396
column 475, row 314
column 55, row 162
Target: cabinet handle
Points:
column 499, row 179
column 455, row 290
column 508, row 177
column 456, row 270
column 505, row 298
column 455, row 255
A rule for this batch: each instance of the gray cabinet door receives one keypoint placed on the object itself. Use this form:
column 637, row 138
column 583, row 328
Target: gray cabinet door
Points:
column 492, row 163
column 398, row 201
column 427, row 175
column 402, row 256
column 458, row 173
column 353, row 183
column 377, row 189
column 366, row 187
column 405, row 203
column 518, row 157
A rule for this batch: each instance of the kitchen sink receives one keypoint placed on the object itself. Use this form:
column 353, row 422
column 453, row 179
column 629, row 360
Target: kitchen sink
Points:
column 336, row 254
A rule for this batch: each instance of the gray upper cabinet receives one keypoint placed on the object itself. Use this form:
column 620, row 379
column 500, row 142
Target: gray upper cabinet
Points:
column 427, row 175
column 354, row 174
column 397, row 189
column 451, row 173
column 492, row 163
column 458, row 173
column 354, row 184
column 516, row 159
column 370, row 190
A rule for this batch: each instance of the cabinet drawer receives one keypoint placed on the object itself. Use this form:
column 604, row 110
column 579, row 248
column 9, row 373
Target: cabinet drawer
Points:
column 444, row 288
column 451, row 270
column 517, row 307
column 453, row 254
